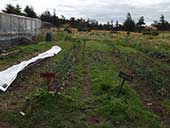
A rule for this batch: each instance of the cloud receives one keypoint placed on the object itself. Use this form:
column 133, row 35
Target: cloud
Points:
column 102, row 10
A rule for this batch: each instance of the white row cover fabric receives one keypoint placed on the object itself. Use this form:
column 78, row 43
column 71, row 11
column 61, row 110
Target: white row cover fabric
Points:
column 9, row 75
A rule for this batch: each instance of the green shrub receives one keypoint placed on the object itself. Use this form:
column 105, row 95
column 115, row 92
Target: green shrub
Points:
column 65, row 36
column 84, row 29
column 152, row 33
column 67, row 30
column 155, row 33
column 128, row 33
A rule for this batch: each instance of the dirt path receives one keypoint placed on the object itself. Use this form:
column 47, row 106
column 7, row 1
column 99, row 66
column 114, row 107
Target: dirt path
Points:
column 92, row 118
column 85, row 89
column 22, row 86
column 6, row 125
column 152, row 100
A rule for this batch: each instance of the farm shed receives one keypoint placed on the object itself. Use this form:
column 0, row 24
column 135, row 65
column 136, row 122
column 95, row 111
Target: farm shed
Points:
column 14, row 27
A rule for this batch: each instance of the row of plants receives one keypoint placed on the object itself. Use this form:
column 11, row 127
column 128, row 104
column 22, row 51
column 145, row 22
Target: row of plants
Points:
column 147, row 71
column 154, row 49
column 71, row 110
column 125, row 111
column 42, row 109
column 64, row 68
column 155, row 74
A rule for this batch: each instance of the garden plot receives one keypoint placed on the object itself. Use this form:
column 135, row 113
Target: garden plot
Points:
column 89, row 99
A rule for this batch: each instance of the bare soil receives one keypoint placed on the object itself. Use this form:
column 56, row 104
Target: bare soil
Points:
column 22, row 86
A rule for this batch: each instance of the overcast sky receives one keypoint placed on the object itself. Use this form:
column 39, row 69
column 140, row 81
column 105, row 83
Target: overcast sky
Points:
column 102, row 10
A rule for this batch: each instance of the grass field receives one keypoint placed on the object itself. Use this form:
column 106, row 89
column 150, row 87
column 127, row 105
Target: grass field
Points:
column 89, row 100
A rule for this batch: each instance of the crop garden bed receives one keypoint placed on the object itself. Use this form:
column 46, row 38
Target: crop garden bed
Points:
column 87, row 73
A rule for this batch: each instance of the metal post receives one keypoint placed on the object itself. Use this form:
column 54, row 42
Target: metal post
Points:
column 84, row 45
column 121, row 86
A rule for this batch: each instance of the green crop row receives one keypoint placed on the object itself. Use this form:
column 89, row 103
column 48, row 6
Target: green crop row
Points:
column 154, row 49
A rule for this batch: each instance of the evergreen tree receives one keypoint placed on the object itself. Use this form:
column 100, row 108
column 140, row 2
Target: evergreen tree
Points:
column 129, row 24
column 12, row 9
column 29, row 12
column 55, row 19
column 141, row 21
column 162, row 19
column 162, row 25
column 73, row 22
column 9, row 9
column 18, row 10
column 46, row 16
column 117, row 24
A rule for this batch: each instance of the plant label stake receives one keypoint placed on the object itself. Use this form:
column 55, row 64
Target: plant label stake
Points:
column 125, row 77
column 49, row 77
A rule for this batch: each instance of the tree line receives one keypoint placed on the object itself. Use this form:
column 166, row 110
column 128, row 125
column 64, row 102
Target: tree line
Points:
column 89, row 24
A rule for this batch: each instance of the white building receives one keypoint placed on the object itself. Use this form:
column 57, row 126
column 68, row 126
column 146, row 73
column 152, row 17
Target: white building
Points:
column 15, row 27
